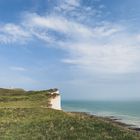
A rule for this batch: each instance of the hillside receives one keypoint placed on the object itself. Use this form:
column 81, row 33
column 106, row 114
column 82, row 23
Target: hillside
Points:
column 24, row 115
column 19, row 98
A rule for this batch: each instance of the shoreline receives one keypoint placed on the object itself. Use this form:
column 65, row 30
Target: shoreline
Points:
column 120, row 122
column 111, row 119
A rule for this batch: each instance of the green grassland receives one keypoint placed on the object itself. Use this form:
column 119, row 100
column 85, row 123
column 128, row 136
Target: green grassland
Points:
column 24, row 115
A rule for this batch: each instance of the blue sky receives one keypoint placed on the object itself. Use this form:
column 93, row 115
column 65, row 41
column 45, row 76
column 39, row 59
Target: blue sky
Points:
column 89, row 49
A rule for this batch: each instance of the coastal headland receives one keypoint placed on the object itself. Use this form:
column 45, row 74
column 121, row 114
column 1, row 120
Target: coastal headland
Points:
column 29, row 115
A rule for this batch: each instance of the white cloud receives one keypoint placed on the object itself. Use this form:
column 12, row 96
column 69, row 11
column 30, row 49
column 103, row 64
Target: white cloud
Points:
column 108, row 48
column 41, row 25
column 67, row 5
column 109, row 58
column 57, row 23
column 73, row 2
column 10, row 33
column 74, row 10
column 104, row 48
column 15, row 68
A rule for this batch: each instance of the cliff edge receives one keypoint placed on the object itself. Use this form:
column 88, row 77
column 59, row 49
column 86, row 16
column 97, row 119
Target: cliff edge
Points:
column 15, row 98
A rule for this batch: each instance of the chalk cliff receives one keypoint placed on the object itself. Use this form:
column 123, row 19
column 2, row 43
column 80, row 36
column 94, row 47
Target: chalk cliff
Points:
column 55, row 100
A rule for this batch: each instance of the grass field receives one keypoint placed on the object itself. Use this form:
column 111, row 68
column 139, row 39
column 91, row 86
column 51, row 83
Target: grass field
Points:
column 25, row 116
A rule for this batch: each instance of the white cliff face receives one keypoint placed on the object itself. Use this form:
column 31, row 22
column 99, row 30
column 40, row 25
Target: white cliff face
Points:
column 56, row 102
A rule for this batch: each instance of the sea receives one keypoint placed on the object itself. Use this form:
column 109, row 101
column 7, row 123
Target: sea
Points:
column 127, row 112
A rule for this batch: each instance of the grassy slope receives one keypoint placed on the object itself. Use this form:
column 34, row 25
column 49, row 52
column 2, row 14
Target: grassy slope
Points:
column 23, row 116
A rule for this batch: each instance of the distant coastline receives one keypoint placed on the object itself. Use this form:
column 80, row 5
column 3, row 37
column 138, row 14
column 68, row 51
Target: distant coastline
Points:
column 124, row 113
column 112, row 119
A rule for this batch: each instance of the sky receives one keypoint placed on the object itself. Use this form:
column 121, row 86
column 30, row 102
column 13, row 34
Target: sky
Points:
column 88, row 49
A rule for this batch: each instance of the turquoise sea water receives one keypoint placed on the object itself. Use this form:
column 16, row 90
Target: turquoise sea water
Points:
column 127, row 111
